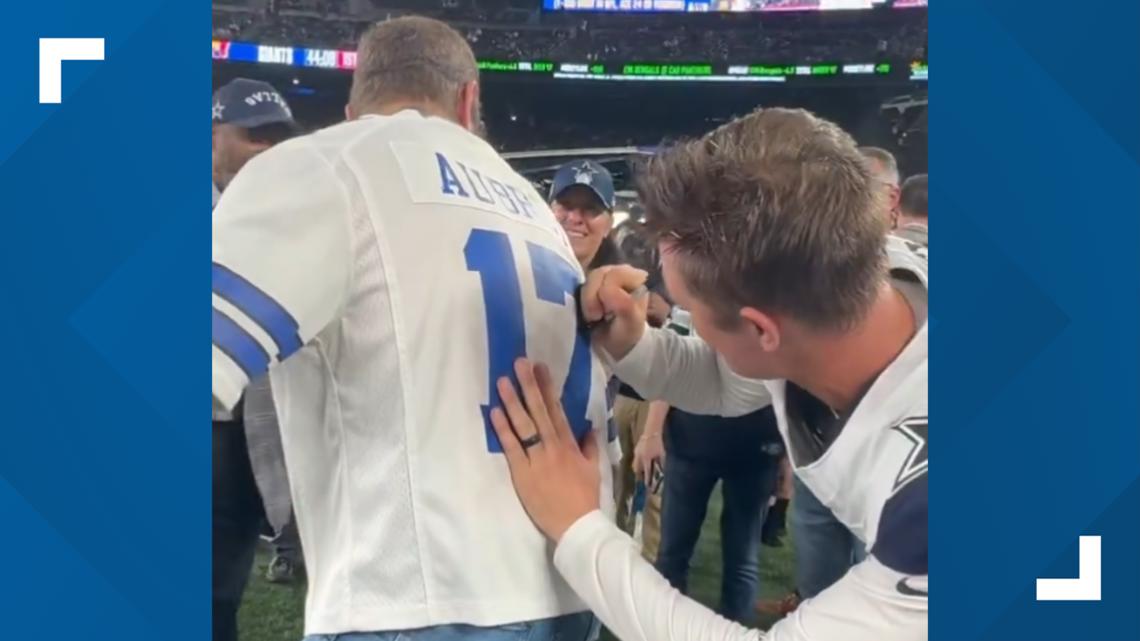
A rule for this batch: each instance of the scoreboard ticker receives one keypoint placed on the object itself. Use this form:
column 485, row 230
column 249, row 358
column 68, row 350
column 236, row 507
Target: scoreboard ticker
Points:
column 713, row 6
column 646, row 71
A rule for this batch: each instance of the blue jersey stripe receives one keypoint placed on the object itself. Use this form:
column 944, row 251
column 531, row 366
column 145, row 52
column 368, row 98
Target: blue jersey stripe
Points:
column 260, row 308
column 235, row 342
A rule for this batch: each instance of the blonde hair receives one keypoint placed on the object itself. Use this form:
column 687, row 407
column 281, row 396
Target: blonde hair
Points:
column 411, row 59
column 776, row 210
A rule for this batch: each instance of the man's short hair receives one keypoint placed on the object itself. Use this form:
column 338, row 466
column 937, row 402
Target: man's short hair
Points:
column 914, row 195
column 886, row 160
column 411, row 59
column 776, row 210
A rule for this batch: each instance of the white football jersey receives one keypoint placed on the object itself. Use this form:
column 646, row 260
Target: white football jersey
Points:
column 869, row 467
column 387, row 271
column 872, row 473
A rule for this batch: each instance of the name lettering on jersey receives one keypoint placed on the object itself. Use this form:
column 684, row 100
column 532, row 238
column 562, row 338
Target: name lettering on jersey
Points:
column 475, row 184
column 437, row 176
column 915, row 430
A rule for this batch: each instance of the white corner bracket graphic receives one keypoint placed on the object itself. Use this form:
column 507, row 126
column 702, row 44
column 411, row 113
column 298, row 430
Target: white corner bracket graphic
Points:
column 53, row 51
column 1086, row 587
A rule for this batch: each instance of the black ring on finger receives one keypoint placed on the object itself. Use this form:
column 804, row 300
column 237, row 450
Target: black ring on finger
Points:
column 530, row 441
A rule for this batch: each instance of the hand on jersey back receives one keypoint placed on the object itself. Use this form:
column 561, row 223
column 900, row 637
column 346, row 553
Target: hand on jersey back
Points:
column 557, row 481
column 608, row 300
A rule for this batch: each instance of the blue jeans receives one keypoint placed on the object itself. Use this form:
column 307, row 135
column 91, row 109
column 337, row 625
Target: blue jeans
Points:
column 825, row 548
column 746, row 490
column 571, row 627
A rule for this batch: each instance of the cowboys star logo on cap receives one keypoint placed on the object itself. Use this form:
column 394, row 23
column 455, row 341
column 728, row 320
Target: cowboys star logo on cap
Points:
column 249, row 103
column 584, row 175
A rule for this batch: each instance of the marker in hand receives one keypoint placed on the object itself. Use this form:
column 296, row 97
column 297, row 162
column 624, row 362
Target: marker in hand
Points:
column 636, row 294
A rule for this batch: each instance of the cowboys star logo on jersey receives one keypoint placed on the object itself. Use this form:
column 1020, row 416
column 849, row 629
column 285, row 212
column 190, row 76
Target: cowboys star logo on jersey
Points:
column 915, row 430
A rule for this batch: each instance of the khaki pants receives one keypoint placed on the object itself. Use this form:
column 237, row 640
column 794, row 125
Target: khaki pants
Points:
column 630, row 414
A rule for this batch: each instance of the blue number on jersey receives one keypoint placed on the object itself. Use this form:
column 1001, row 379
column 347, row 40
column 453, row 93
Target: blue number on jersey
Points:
column 489, row 254
column 554, row 282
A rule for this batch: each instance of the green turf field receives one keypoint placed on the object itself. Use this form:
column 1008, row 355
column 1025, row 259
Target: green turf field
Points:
column 273, row 612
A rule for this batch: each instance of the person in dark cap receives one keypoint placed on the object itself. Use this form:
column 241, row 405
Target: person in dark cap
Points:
column 582, row 198
column 249, row 117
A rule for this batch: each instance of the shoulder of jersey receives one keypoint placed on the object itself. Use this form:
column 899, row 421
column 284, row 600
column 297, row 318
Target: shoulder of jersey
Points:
column 907, row 256
column 399, row 127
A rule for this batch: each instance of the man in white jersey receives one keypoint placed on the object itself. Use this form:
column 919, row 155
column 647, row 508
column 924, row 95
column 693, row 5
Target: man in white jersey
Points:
column 386, row 271
column 771, row 234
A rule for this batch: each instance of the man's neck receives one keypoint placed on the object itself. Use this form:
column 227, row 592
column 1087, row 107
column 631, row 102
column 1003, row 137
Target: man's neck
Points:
column 907, row 220
column 426, row 110
column 840, row 369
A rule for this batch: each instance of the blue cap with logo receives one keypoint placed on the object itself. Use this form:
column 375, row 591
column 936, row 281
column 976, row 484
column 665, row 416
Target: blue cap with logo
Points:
column 249, row 103
column 588, row 174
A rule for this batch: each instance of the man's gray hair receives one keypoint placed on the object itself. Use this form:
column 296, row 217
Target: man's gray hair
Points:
column 411, row 60
column 886, row 167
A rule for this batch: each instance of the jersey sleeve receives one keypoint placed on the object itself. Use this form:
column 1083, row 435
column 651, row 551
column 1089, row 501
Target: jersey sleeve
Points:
column 901, row 542
column 605, row 568
column 871, row 602
column 282, row 257
column 688, row 373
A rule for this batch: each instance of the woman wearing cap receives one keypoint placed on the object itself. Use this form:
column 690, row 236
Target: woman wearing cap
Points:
column 582, row 198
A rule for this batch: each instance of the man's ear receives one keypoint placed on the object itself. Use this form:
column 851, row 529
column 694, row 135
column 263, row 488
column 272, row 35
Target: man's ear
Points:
column 468, row 105
column 765, row 326
column 348, row 114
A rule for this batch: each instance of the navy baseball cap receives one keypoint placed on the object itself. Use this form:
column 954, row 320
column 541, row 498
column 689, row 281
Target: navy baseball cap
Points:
column 589, row 174
column 249, row 103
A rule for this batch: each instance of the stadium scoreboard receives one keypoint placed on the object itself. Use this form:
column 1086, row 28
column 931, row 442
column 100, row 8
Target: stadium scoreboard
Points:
column 226, row 50
column 704, row 6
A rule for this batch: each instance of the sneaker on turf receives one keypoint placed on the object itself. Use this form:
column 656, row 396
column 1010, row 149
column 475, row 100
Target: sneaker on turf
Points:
column 281, row 569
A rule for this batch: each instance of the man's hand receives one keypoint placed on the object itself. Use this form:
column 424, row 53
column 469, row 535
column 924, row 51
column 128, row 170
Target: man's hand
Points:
column 557, row 482
column 650, row 448
column 607, row 296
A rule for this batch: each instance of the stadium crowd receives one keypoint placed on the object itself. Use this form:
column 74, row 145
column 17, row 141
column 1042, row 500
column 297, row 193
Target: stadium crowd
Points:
column 666, row 457
column 529, row 34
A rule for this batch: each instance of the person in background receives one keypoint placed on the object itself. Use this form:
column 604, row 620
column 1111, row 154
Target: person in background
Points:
column 640, row 424
column 885, row 169
column 643, row 465
column 912, row 211
column 744, row 454
column 249, row 117
column 776, row 521
column 582, row 197
column 267, row 457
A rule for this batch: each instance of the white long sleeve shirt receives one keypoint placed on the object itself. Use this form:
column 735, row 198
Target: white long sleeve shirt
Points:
column 869, row 469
